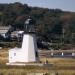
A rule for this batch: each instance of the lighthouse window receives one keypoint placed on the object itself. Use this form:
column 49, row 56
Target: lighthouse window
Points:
column 14, row 54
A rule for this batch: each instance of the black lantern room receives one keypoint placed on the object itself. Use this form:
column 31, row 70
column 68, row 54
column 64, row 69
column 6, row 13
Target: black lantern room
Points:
column 29, row 25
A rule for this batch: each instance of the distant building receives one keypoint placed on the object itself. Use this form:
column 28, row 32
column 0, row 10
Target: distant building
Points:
column 20, row 34
column 17, row 35
column 14, row 34
column 7, row 32
column 4, row 31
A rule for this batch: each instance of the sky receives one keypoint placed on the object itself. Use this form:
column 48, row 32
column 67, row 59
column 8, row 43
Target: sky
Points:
column 66, row 5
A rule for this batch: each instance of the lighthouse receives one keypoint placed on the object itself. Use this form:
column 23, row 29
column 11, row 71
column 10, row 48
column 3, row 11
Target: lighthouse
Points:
column 29, row 51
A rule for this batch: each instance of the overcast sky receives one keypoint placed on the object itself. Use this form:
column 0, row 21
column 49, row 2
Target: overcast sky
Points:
column 68, row 5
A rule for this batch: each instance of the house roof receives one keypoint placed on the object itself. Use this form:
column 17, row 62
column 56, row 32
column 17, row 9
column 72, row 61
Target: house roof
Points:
column 20, row 32
column 4, row 29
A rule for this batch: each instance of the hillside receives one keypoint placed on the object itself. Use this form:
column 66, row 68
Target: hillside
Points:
column 52, row 25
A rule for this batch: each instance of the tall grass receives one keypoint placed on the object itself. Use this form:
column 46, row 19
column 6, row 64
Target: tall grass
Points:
column 60, row 66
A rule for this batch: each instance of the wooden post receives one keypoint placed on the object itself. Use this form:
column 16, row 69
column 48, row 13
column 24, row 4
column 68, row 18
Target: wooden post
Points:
column 62, row 54
column 73, row 54
column 52, row 54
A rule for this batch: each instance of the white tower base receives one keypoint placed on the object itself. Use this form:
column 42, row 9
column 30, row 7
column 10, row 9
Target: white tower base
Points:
column 28, row 52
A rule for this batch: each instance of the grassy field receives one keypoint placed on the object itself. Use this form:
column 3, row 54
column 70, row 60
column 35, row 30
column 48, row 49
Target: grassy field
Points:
column 62, row 66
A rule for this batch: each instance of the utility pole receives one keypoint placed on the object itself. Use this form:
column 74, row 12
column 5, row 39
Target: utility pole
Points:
column 73, row 34
column 63, row 31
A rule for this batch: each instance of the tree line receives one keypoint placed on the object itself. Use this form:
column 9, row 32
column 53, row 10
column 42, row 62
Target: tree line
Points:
column 52, row 25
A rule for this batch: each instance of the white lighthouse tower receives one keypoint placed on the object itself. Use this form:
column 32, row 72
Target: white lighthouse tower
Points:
column 28, row 52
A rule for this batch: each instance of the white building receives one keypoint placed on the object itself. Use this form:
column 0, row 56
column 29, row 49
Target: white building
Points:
column 27, row 53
